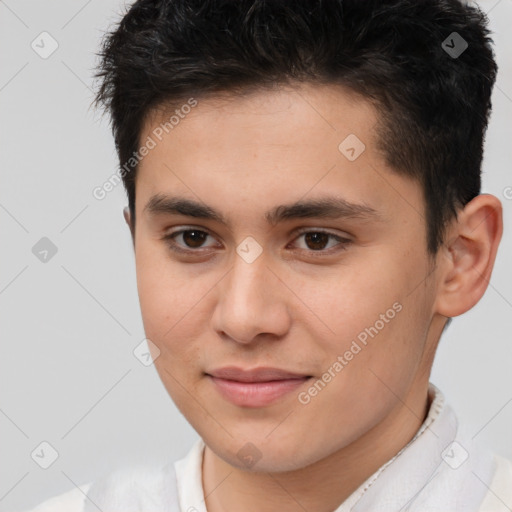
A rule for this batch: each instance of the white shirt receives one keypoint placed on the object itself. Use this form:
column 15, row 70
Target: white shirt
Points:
column 439, row 470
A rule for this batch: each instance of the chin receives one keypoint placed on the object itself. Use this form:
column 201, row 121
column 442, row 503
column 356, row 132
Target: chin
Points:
column 264, row 455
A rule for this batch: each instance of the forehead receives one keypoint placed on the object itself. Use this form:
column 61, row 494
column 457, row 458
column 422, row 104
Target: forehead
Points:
column 267, row 146
column 285, row 116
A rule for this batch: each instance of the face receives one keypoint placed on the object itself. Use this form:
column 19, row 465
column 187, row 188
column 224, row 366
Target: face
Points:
column 340, row 297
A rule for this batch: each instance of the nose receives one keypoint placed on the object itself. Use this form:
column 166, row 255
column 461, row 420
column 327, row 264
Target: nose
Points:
column 252, row 303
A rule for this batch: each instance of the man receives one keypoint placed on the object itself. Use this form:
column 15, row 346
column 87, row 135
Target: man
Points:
column 304, row 199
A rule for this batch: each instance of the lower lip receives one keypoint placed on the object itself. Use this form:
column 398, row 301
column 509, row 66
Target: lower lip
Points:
column 255, row 394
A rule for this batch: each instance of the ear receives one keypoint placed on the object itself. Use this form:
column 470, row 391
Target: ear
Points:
column 467, row 257
column 127, row 218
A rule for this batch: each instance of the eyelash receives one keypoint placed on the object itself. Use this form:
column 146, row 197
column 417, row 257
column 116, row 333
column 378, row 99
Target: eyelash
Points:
column 342, row 246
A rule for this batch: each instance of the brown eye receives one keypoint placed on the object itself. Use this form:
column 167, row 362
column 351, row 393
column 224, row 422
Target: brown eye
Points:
column 316, row 240
column 194, row 238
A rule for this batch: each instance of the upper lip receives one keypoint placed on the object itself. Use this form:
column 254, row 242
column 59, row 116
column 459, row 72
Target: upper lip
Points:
column 261, row 374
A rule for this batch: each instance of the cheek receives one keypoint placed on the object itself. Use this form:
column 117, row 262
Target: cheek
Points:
column 351, row 299
column 171, row 309
column 168, row 301
column 163, row 288
column 377, row 316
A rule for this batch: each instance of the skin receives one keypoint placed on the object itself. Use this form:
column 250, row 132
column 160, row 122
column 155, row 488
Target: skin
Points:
column 293, row 308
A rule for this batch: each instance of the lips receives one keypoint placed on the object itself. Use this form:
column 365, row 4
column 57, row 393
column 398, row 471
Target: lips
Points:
column 257, row 387
column 262, row 374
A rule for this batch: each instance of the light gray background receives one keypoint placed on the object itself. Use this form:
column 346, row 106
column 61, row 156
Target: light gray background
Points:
column 68, row 375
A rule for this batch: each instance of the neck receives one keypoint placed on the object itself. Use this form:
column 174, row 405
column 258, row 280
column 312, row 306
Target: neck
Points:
column 324, row 485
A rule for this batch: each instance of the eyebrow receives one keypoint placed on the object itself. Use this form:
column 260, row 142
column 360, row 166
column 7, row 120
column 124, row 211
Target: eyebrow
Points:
column 327, row 207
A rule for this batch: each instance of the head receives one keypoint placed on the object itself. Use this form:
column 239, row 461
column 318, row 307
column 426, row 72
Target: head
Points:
column 259, row 121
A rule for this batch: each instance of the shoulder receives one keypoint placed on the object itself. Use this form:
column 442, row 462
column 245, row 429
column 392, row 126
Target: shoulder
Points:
column 140, row 487
column 128, row 489
column 144, row 487
column 499, row 495
column 69, row 501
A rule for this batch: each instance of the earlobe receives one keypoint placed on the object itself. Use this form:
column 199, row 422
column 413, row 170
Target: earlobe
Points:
column 127, row 218
column 126, row 214
column 468, row 256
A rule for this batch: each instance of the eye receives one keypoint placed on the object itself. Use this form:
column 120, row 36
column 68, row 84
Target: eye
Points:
column 192, row 237
column 316, row 241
